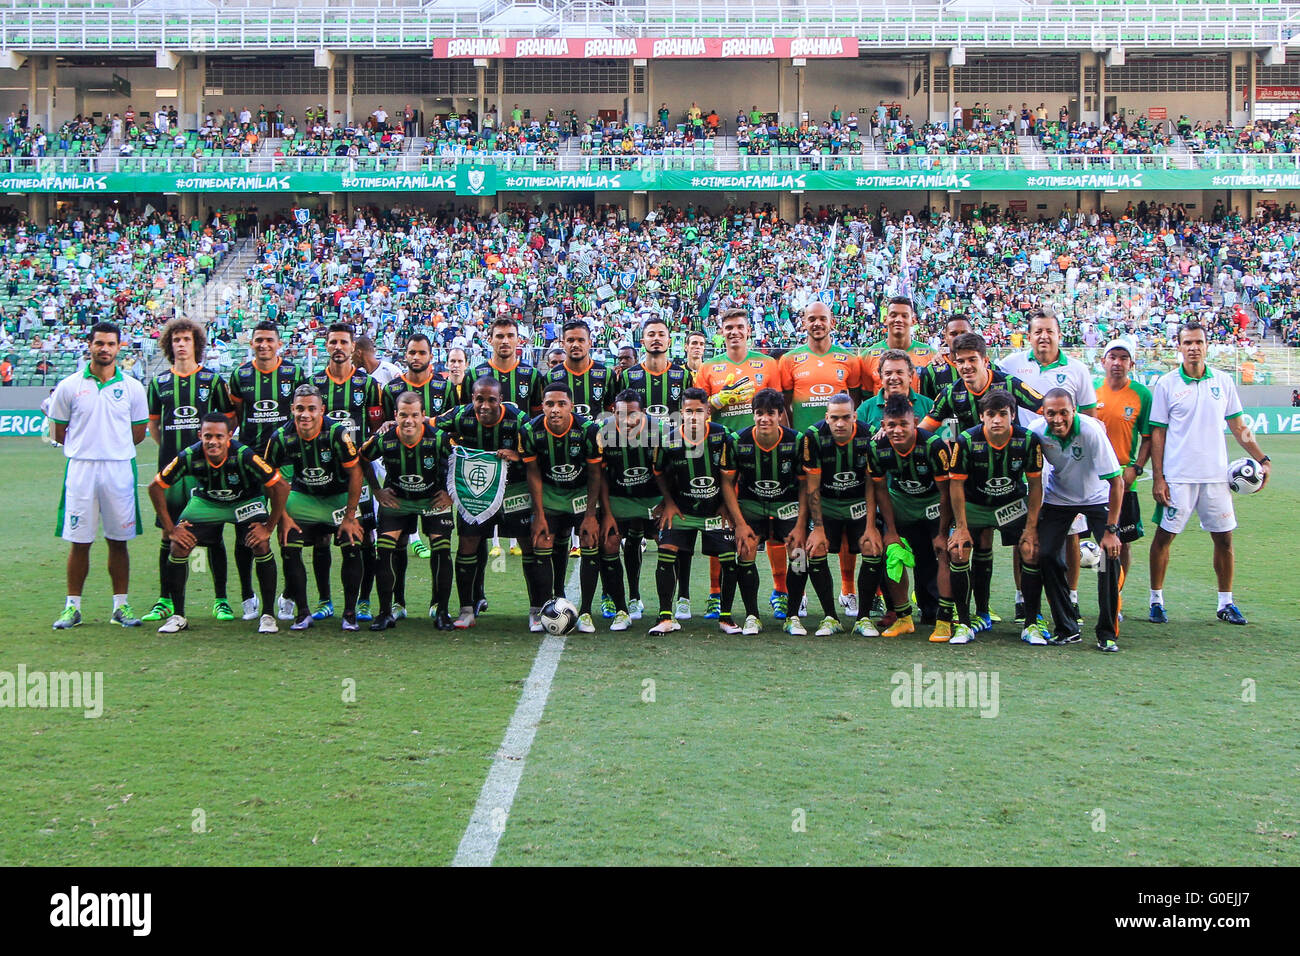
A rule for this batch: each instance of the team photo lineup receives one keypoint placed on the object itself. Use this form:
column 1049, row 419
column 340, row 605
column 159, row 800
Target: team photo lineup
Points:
column 903, row 464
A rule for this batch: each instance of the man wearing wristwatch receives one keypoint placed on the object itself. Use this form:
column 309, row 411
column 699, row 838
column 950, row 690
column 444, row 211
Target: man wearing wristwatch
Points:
column 1124, row 407
column 1081, row 476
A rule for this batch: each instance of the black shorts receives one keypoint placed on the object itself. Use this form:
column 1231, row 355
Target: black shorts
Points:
column 770, row 528
column 1130, row 518
column 844, row 530
column 207, row 534
column 433, row 525
column 920, row 533
column 636, row 527
column 516, row 524
column 312, row 534
column 713, row 543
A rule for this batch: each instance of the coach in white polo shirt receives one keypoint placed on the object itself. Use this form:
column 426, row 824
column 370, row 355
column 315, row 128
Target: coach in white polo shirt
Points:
column 99, row 417
column 1189, row 464
column 1081, row 477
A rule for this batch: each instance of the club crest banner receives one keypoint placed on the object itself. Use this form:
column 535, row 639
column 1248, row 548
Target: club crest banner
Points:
column 476, row 481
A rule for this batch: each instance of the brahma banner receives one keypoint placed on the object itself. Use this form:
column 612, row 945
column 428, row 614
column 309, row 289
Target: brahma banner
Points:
column 630, row 48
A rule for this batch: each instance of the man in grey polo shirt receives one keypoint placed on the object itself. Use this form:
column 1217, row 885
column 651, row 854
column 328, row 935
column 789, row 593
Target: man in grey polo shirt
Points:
column 1082, row 477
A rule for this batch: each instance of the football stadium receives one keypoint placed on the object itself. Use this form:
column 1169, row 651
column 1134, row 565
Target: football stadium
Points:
column 662, row 432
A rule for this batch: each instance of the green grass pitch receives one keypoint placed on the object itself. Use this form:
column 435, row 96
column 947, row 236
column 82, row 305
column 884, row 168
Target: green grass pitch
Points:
column 221, row 747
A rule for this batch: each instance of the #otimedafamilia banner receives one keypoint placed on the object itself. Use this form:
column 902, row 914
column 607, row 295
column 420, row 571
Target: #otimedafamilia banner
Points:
column 488, row 180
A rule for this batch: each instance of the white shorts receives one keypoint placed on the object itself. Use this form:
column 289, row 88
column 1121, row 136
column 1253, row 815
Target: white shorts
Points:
column 95, row 491
column 1211, row 500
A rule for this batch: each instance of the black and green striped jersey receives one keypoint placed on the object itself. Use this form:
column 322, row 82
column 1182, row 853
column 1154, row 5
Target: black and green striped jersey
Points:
column 350, row 401
column 414, row 472
column 179, row 402
column 320, row 463
column 842, row 469
column 240, row 476
column 563, row 459
column 913, row 474
column 464, row 428
column 521, row 386
column 628, row 460
column 695, row 470
column 768, row 476
column 263, row 400
column 994, row 476
column 438, row 395
column 958, row 402
column 592, row 388
column 935, row 377
column 661, row 394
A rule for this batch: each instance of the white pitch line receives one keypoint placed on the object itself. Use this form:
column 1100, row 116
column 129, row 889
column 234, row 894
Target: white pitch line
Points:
column 478, row 846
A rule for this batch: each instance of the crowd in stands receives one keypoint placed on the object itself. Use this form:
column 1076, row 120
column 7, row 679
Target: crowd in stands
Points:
column 993, row 139
column 1259, row 136
column 1112, row 138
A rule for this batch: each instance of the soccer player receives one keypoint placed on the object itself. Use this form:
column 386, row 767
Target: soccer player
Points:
column 562, row 453
column 178, row 400
column 1042, row 366
column 839, row 502
column 351, row 397
column 730, row 381
column 900, row 318
column 1124, row 408
column 232, row 483
column 262, row 394
column 896, row 373
column 909, row 467
column 363, row 354
column 99, row 416
column 414, row 454
column 591, row 383
column 769, row 479
column 810, row 375
column 630, row 498
column 489, row 424
column 696, row 343
column 696, row 473
column 942, row 372
column 1082, row 478
column 994, row 482
column 1189, row 465
column 323, row 500
column 958, row 408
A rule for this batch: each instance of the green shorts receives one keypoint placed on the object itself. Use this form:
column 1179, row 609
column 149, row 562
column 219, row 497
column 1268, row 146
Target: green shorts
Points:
column 630, row 508
column 564, row 501
column 758, row 510
column 317, row 509
column 178, row 496
column 201, row 511
column 909, row 510
column 986, row 516
column 844, row 509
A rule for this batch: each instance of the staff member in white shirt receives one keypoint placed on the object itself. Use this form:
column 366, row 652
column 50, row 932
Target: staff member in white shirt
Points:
column 99, row 417
column 1189, row 464
column 1081, row 478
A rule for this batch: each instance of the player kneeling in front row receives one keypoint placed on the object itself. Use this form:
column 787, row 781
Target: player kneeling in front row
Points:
column 914, row 506
column 995, row 482
column 229, row 480
column 415, row 455
column 696, row 472
column 769, row 479
column 839, row 504
column 323, row 500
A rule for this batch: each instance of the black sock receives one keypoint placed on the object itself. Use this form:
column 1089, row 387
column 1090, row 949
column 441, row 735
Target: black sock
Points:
column 178, row 570
column 265, row 565
column 352, row 571
column 945, row 609
column 632, row 559
column 796, row 582
column 530, row 581
column 480, row 571
column 165, row 552
column 959, row 574
column 588, row 575
column 400, row 556
column 1031, row 586
column 981, row 579
column 747, row 577
column 385, row 574
column 244, row 568
column 559, row 568
column 727, row 584
column 545, row 576
column 611, row 578
column 441, row 571
column 871, row 574
column 217, row 564
column 295, row 579
column 666, row 568
column 321, row 560
column 466, row 575
column 683, row 574
column 366, row 553
column 819, row 572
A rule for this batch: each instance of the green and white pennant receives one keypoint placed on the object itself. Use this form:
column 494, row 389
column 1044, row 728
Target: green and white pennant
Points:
column 476, row 481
